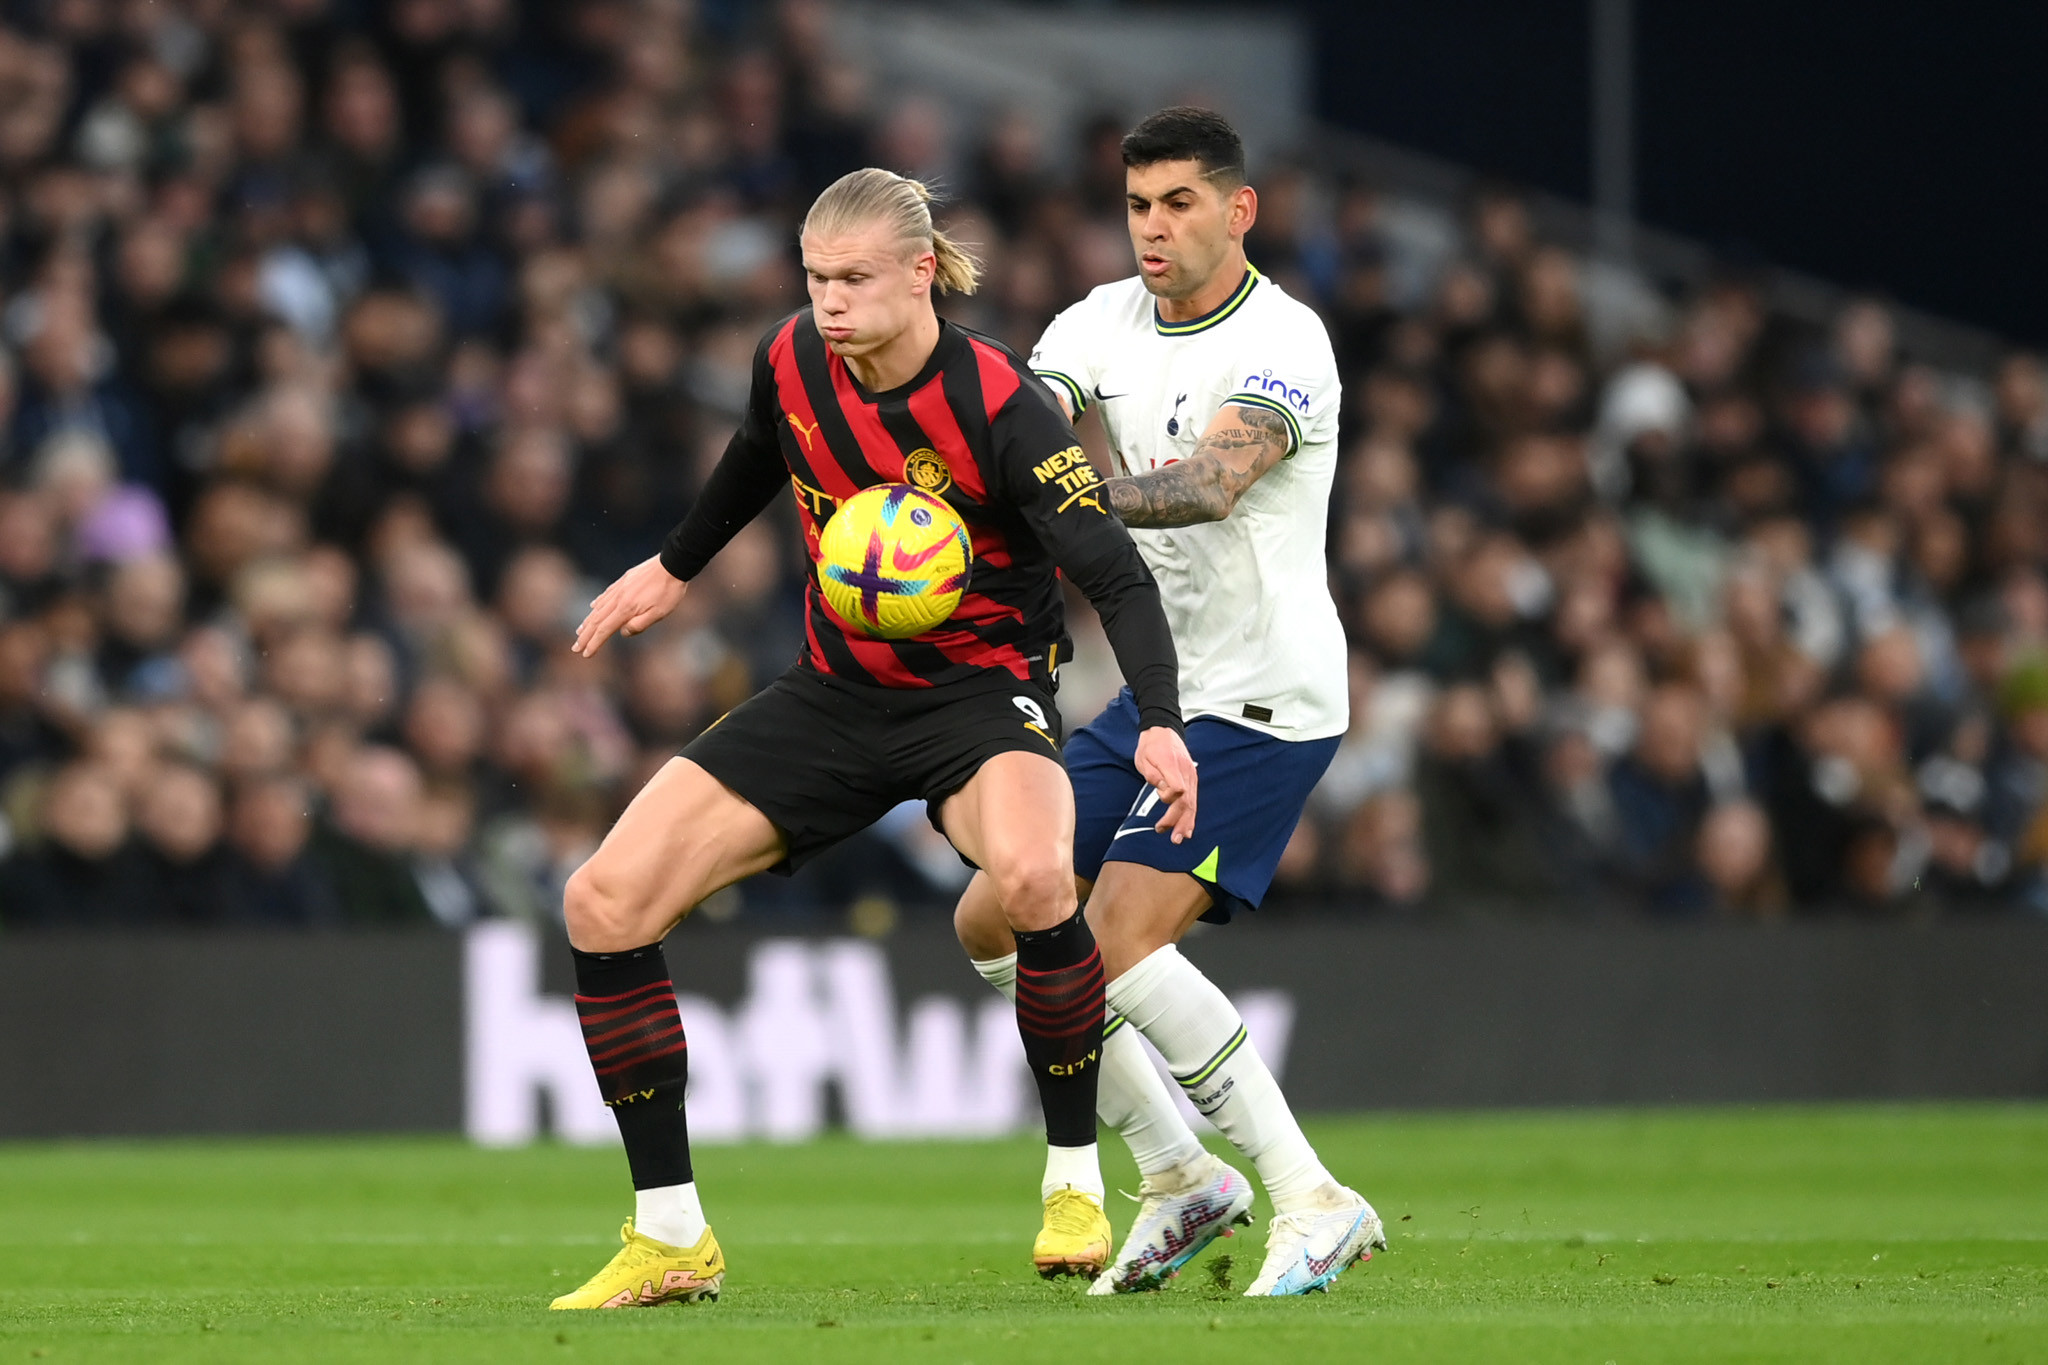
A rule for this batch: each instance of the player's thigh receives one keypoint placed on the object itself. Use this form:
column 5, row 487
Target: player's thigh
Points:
column 1254, row 787
column 683, row 837
column 1136, row 910
column 1014, row 819
column 1100, row 759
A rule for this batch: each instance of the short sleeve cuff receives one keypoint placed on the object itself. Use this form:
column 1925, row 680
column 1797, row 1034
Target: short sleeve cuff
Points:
column 1077, row 397
column 1246, row 399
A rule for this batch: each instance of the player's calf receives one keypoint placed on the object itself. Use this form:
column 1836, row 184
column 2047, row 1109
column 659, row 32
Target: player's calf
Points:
column 1059, row 1016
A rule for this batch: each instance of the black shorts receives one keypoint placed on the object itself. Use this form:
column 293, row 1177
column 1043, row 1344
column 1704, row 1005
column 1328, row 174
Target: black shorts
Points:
column 824, row 758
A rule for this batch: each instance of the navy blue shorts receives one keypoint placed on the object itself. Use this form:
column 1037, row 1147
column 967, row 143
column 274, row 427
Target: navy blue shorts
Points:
column 1251, row 791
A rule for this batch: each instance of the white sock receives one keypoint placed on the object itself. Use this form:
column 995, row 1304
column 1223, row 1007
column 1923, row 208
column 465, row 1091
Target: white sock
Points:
column 669, row 1213
column 1076, row 1166
column 1132, row 1098
column 1201, row 1036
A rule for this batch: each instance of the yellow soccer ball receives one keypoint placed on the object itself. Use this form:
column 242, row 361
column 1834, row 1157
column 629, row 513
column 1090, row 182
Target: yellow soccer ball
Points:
column 893, row 561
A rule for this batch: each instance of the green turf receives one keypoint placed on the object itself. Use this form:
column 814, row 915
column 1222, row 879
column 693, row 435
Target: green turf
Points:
column 1841, row 1234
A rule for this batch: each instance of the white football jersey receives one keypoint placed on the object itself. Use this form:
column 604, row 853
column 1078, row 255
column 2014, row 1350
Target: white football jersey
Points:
column 1249, row 596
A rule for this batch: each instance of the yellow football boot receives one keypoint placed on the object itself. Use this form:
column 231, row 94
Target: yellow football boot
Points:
column 1075, row 1239
column 647, row 1272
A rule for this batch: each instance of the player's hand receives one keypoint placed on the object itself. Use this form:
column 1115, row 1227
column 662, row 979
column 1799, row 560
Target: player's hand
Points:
column 1163, row 761
column 641, row 596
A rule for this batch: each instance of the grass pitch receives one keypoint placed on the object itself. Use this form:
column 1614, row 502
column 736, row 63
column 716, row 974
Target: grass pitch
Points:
column 1837, row 1234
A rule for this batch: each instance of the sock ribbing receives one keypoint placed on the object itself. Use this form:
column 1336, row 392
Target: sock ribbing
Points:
column 1059, row 1016
column 1132, row 1098
column 633, row 1032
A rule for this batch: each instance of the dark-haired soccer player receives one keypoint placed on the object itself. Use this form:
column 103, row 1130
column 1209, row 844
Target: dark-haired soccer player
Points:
column 868, row 386
column 1219, row 396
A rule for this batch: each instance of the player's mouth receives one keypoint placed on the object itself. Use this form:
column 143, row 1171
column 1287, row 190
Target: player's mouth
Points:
column 1154, row 264
column 837, row 333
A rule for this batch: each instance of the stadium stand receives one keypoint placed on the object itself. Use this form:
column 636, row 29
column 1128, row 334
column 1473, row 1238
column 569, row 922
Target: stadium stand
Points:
column 344, row 361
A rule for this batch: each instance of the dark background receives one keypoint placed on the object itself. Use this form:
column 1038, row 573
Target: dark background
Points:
column 1887, row 146
column 275, row 1033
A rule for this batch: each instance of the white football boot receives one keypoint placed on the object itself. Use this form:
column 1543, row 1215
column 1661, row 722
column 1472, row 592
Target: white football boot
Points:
column 1179, row 1212
column 1308, row 1248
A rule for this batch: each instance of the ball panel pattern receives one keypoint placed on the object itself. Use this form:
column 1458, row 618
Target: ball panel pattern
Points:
column 893, row 561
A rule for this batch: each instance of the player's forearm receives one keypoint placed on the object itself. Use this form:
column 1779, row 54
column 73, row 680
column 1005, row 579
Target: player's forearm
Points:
column 744, row 483
column 1229, row 459
column 1184, row 494
column 1124, row 595
column 1145, row 655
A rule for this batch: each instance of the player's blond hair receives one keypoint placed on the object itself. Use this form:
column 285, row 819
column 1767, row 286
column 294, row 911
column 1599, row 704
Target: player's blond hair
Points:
column 873, row 195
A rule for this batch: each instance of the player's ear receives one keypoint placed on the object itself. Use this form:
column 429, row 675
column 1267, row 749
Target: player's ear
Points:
column 924, row 267
column 1244, row 210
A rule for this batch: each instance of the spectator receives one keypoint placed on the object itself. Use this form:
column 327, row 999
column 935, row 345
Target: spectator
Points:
column 342, row 364
column 1967, row 870
column 441, row 252
column 1479, row 816
column 367, row 850
column 1660, row 800
column 180, row 818
column 85, row 873
column 27, row 735
column 1736, row 863
column 273, row 880
column 442, row 866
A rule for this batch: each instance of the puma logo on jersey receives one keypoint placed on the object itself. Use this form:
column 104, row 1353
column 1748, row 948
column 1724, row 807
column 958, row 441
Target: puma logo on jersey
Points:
column 802, row 433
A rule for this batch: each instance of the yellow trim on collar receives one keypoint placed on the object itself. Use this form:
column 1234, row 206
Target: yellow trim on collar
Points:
column 1214, row 316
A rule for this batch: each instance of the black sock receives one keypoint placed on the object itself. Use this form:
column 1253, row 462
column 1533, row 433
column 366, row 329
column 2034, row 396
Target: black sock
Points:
column 1059, row 1012
column 627, row 1006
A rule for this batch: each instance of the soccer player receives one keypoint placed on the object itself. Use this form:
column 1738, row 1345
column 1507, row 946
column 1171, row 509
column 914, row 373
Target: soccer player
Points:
column 868, row 386
column 1219, row 396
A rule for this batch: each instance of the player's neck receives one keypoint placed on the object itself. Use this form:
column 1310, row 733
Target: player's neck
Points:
column 1213, row 294
column 897, row 362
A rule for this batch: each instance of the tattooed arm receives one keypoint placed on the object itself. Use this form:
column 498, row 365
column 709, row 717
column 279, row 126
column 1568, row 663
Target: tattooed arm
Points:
column 1241, row 444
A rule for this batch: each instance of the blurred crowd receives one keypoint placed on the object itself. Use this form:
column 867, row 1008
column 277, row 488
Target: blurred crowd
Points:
column 346, row 350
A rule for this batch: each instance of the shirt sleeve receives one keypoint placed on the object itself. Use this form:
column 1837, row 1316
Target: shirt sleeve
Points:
column 1061, row 358
column 1294, row 376
column 749, row 475
column 1047, row 476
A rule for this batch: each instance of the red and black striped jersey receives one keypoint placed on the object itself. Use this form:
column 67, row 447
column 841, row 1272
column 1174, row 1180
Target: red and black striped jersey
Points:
column 974, row 427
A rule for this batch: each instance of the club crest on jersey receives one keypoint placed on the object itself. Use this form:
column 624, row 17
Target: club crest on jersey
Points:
column 924, row 470
column 1297, row 399
column 1173, row 422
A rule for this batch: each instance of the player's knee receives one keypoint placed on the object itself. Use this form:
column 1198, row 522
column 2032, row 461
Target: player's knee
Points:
column 1037, row 891
column 599, row 918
